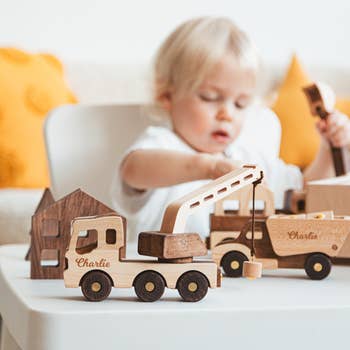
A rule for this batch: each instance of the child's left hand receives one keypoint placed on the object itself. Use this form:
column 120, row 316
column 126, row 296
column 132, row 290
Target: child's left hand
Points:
column 335, row 129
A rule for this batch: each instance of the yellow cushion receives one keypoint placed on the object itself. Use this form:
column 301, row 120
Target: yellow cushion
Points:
column 343, row 105
column 30, row 86
column 300, row 140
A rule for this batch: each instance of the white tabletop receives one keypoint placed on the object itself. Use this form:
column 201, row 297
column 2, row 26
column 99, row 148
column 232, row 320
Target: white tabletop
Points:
column 282, row 309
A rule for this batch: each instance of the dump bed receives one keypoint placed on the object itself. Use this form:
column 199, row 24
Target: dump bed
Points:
column 306, row 233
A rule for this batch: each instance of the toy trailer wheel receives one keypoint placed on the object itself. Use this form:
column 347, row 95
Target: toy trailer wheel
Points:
column 96, row 286
column 192, row 286
column 318, row 266
column 232, row 263
column 149, row 286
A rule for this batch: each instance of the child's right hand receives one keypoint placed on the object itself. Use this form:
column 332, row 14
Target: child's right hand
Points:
column 219, row 166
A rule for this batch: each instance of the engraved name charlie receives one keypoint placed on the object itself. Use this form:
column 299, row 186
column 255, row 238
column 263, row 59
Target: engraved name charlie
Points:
column 84, row 262
column 304, row 236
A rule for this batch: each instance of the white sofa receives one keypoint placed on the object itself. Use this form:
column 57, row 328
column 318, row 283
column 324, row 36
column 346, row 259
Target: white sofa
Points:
column 121, row 84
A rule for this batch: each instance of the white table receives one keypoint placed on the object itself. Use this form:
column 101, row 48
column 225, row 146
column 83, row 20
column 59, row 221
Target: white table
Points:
column 283, row 310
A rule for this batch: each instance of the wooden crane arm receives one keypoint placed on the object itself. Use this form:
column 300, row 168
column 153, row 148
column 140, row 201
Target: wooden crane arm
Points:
column 177, row 212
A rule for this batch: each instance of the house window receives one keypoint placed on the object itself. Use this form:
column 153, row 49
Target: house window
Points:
column 49, row 257
column 50, row 228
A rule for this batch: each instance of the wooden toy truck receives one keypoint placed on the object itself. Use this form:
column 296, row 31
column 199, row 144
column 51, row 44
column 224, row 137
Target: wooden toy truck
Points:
column 307, row 241
column 98, row 267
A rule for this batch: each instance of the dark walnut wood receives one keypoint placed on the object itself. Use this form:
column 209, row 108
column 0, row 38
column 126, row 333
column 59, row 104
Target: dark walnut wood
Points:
column 96, row 286
column 171, row 246
column 149, row 286
column 232, row 263
column 340, row 155
column 192, row 286
column 318, row 266
column 46, row 200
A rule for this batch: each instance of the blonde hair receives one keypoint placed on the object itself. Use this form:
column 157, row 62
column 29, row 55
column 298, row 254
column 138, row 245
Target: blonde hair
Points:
column 192, row 50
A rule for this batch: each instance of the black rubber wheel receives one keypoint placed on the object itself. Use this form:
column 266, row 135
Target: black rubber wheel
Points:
column 149, row 286
column 318, row 266
column 232, row 263
column 96, row 286
column 192, row 286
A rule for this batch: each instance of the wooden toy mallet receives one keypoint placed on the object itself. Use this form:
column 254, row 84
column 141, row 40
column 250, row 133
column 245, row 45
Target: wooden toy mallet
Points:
column 321, row 99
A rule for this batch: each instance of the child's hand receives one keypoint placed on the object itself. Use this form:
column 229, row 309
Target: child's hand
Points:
column 336, row 129
column 219, row 166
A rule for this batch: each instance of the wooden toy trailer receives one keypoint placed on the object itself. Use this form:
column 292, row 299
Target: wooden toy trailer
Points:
column 307, row 241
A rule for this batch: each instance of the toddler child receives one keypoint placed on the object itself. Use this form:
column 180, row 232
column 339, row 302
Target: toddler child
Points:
column 204, row 80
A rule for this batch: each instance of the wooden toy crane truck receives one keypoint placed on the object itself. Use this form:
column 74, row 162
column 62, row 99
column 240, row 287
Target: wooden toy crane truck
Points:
column 99, row 266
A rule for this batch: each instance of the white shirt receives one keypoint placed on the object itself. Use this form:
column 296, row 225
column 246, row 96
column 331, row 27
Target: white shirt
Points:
column 144, row 210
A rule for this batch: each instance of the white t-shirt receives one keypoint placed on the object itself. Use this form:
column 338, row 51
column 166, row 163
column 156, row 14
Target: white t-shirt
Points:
column 144, row 210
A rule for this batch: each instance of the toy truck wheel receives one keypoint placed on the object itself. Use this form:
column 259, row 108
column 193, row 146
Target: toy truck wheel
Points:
column 318, row 266
column 149, row 286
column 232, row 263
column 96, row 286
column 192, row 286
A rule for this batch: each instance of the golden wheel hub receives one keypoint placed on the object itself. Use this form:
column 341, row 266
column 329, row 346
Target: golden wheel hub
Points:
column 192, row 287
column 149, row 286
column 96, row 287
column 234, row 265
column 318, row 267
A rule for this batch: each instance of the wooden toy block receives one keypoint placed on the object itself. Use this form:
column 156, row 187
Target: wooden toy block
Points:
column 329, row 194
column 104, row 266
column 167, row 246
column 50, row 232
column 321, row 99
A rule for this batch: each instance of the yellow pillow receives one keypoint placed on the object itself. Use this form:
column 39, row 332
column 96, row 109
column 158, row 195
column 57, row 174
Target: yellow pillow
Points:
column 300, row 140
column 343, row 105
column 30, row 86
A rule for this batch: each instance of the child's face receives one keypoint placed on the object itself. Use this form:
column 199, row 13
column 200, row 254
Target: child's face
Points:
column 211, row 118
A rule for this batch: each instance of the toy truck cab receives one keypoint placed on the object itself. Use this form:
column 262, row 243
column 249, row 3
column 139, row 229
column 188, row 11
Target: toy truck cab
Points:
column 106, row 251
column 233, row 250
